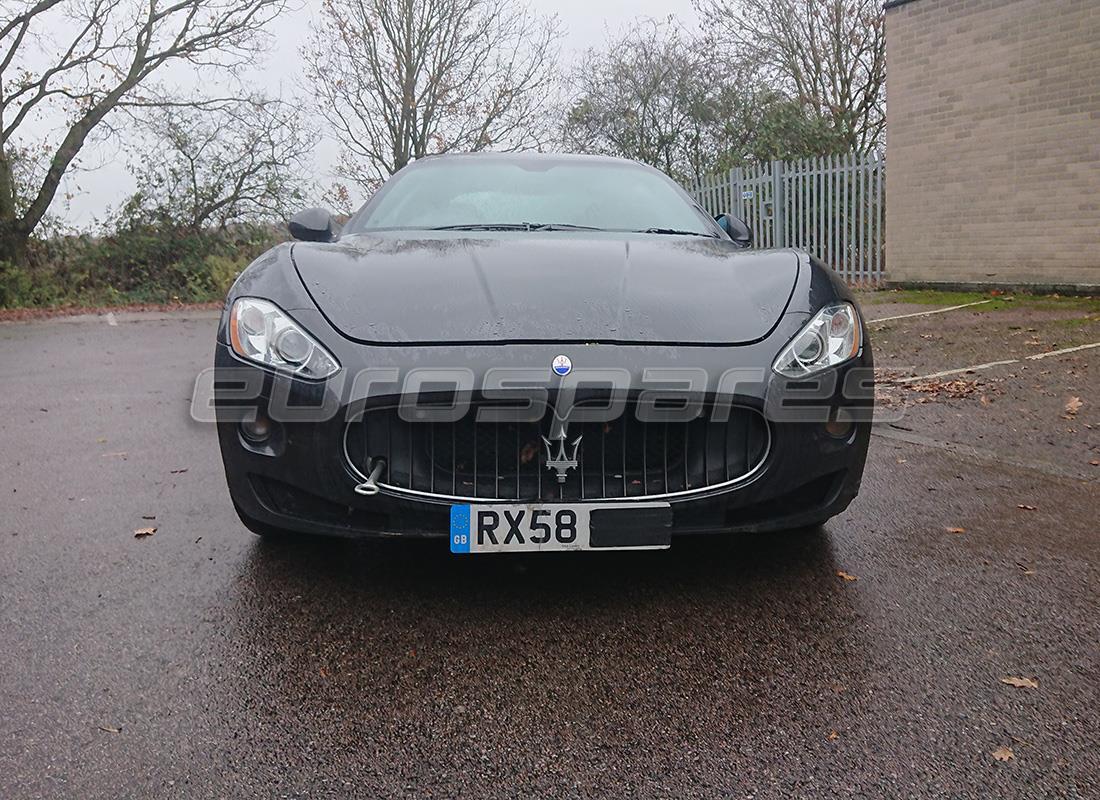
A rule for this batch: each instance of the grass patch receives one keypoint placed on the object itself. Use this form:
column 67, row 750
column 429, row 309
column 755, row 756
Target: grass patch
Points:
column 1074, row 323
column 936, row 298
column 1054, row 302
column 944, row 299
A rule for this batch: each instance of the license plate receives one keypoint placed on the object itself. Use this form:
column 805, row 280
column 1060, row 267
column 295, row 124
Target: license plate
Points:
column 499, row 528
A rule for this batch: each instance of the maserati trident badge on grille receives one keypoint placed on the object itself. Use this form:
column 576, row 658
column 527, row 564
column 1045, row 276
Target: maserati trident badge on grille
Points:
column 562, row 365
column 561, row 463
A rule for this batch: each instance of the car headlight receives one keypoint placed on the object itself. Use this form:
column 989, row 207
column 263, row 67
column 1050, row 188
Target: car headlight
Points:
column 831, row 337
column 260, row 331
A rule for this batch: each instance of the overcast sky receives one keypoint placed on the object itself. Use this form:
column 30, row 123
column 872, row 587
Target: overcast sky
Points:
column 585, row 22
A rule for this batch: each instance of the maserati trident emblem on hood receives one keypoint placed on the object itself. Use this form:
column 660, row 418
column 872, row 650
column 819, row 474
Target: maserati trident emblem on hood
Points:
column 562, row 365
column 561, row 463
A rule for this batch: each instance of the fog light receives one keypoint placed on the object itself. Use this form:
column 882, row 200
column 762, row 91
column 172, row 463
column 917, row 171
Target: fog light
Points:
column 257, row 430
column 841, row 425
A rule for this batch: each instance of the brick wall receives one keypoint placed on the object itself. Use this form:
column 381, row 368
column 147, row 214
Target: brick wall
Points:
column 993, row 141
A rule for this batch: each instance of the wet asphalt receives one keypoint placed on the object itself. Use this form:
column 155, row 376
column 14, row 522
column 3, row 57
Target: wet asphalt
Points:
column 204, row 662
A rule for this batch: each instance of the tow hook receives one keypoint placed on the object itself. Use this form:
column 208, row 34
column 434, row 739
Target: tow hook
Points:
column 370, row 485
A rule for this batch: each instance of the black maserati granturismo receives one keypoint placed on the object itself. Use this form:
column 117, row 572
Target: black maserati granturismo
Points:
column 538, row 352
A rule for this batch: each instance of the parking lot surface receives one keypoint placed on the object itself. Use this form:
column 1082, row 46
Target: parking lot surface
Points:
column 868, row 658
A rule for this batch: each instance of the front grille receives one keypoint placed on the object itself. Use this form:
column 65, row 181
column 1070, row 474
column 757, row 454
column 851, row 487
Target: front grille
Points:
column 623, row 458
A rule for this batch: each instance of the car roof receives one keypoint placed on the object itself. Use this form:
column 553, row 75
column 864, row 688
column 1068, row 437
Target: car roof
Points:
column 527, row 156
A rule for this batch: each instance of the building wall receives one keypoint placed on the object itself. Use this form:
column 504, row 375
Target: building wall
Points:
column 993, row 142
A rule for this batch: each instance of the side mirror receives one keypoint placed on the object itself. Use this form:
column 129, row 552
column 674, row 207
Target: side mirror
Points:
column 312, row 225
column 735, row 228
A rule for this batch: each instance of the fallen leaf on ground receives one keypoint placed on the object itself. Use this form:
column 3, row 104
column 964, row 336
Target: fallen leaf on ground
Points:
column 1021, row 683
column 110, row 729
column 953, row 389
column 833, row 736
column 842, row 574
column 141, row 533
column 1024, row 507
column 956, row 530
column 1094, row 463
column 1003, row 754
column 1073, row 405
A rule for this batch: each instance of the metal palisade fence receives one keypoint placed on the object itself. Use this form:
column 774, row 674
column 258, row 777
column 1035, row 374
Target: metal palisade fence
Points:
column 833, row 207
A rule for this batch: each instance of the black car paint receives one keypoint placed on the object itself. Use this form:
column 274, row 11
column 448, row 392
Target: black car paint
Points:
column 310, row 455
column 564, row 287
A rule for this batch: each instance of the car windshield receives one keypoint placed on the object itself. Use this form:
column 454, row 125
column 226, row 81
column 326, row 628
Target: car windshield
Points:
column 524, row 192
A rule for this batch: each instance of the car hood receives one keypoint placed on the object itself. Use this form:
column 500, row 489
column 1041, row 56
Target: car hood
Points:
column 546, row 287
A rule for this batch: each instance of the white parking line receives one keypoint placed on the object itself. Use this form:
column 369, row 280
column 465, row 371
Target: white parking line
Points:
column 926, row 313
column 977, row 367
column 1065, row 350
column 959, row 371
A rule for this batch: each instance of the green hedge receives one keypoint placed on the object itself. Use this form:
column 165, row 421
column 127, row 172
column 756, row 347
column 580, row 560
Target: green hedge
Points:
column 137, row 264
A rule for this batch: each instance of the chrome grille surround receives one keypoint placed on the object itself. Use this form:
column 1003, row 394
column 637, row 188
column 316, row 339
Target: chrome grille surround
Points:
column 439, row 462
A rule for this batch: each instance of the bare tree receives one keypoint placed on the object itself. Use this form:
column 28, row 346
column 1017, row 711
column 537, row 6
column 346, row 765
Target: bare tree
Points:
column 643, row 97
column 80, row 60
column 672, row 100
column 242, row 161
column 401, row 79
column 831, row 54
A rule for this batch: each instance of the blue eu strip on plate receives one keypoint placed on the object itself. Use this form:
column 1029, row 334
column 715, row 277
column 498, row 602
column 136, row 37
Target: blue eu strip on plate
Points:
column 460, row 529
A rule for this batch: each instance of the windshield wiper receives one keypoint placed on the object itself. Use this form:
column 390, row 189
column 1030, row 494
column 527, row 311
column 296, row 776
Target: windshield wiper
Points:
column 555, row 226
column 515, row 226
column 675, row 232
column 485, row 226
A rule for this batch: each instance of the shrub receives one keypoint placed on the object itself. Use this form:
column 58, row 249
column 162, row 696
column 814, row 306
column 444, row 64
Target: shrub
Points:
column 136, row 263
column 21, row 288
column 222, row 271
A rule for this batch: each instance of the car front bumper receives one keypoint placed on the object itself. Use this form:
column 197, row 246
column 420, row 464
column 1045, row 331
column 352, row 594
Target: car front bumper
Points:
column 302, row 481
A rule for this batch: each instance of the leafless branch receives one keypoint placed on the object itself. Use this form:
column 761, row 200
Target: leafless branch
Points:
column 829, row 53
column 239, row 162
column 112, row 47
column 401, row 79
